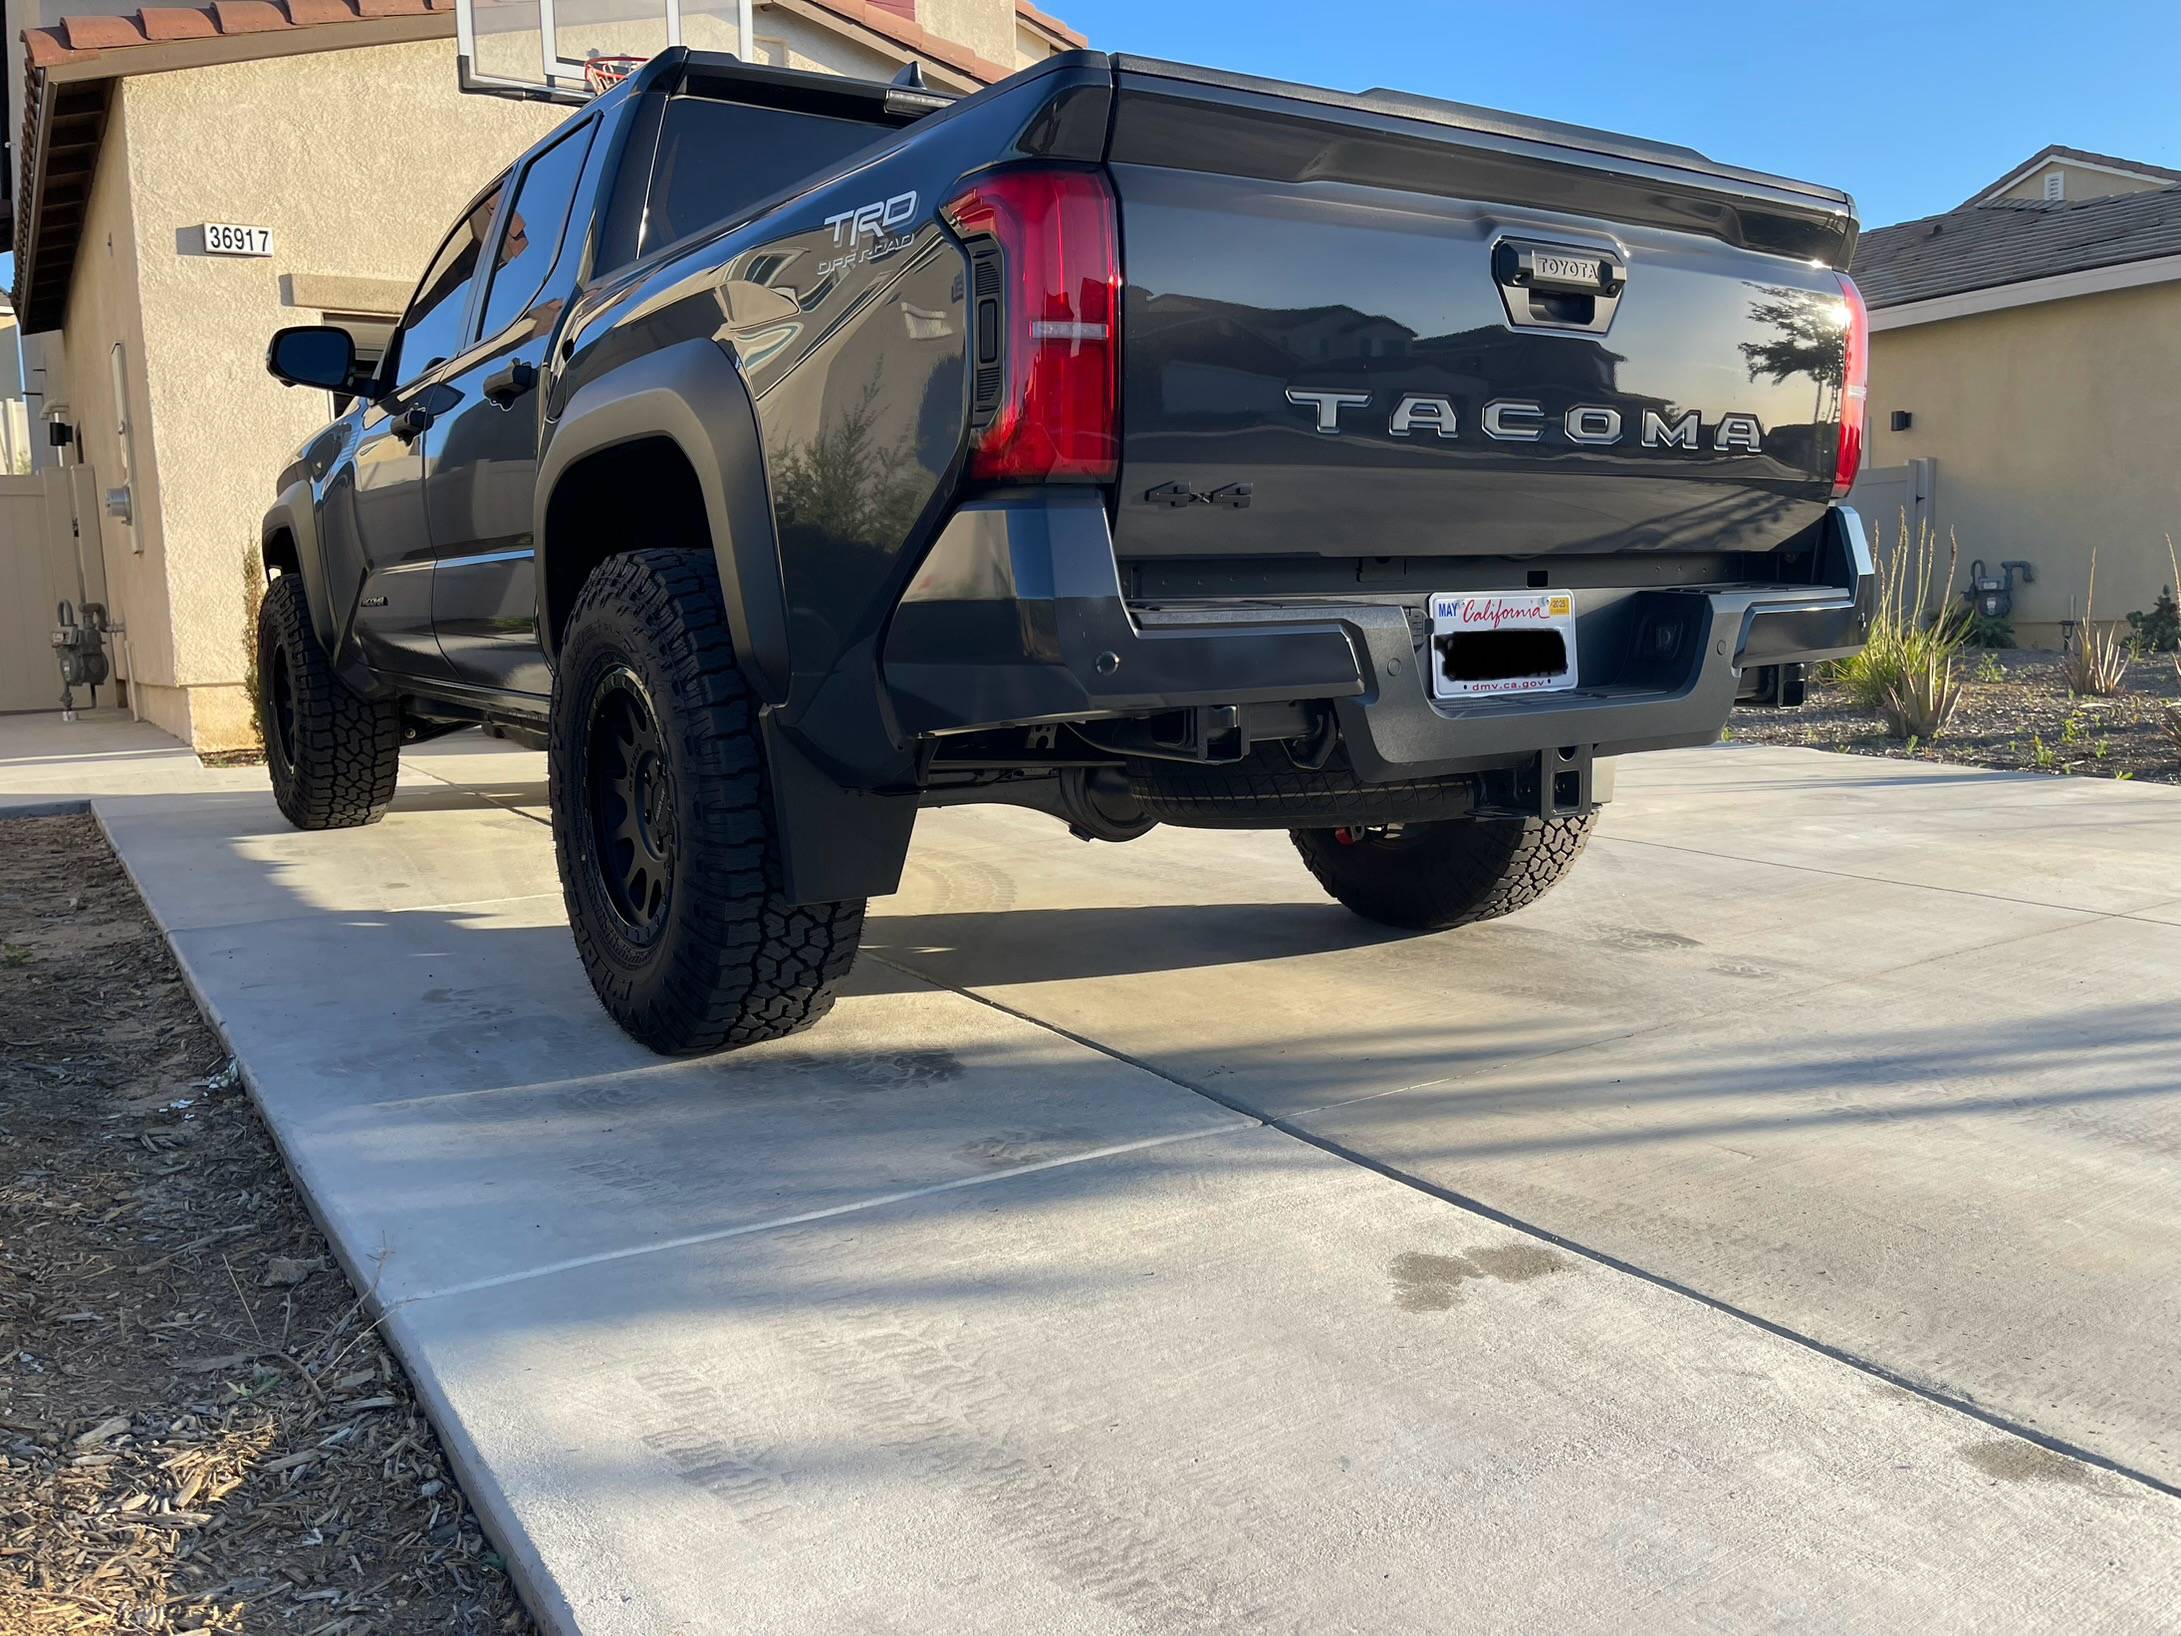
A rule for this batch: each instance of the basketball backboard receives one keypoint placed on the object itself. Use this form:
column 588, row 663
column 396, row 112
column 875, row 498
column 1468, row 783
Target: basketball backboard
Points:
column 571, row 50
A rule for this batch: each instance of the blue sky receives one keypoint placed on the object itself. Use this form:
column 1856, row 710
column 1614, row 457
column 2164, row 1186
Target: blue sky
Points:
column 1911, row 106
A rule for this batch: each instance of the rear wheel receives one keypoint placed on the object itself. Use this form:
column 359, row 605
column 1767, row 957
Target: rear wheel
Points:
column 334, row 755
column 1427, row 877
column 663, row 823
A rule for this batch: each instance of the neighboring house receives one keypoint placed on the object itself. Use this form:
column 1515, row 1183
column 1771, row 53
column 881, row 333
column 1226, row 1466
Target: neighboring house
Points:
column 2029, row 344
column 337, row 126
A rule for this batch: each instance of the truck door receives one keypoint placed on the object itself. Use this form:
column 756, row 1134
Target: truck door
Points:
column 394, row 610
column 481, row 456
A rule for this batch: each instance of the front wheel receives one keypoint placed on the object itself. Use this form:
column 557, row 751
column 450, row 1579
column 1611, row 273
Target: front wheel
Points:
column 333, row 754
column 1428, row 877
column 663, row 824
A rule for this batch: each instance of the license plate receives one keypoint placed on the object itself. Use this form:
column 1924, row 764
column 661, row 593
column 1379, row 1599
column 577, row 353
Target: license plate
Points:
column 1488, row 643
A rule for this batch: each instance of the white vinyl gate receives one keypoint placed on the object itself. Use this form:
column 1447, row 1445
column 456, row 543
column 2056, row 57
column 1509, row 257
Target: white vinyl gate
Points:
column 1887, row 496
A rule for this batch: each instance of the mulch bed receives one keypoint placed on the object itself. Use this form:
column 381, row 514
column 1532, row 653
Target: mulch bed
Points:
column 2024, row 720
column 199, row 1428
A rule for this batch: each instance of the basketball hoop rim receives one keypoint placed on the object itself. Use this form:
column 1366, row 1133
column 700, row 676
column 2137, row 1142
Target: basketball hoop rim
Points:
column 602, row 73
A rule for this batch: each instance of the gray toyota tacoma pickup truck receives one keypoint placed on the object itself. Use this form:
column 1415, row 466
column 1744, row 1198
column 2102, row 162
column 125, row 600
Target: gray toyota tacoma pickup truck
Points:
column 786, row 454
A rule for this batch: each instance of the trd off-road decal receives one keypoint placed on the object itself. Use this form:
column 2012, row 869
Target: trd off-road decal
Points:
column 880, row 222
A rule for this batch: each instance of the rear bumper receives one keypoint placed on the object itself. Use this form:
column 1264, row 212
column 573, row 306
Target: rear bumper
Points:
column 1016, row 617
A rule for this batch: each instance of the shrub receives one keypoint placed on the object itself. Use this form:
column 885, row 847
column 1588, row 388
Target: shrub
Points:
column 253, row 598
column 1983, row 630
column 2095, row 663
column 1907, row 640
column 2158, row 628
column 1919, row 703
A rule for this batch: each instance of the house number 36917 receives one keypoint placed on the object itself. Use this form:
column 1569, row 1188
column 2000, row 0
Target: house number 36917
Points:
column 229, row 239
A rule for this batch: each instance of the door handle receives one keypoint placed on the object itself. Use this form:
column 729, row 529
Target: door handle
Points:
column 504, row 386
column 411, row 424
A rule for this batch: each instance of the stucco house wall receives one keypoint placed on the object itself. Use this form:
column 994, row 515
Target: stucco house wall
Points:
column 357, row 158
column 2057, row 428
column 254, row 142
column 102, row 312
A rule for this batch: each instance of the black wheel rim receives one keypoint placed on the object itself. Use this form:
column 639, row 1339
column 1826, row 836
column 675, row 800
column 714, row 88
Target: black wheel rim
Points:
column 283, row 691
column 629, row 795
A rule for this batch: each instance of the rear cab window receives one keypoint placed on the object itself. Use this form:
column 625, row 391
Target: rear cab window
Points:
column 716, row 159
column 536, row 222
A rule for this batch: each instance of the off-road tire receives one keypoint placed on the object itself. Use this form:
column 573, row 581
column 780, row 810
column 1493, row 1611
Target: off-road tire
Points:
column 726, row 960
column 334, row 755
column 1266, row 790
column 1428, row 877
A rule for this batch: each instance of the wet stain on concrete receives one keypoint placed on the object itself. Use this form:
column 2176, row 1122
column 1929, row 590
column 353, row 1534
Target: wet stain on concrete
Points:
column 1430, row 1283
column 1427, row 1283
column 1518, row 1263
column 2012, row 1460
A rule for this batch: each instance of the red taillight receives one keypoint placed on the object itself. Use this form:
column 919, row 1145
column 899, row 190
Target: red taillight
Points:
column 1045, row 313
column 1855, row 375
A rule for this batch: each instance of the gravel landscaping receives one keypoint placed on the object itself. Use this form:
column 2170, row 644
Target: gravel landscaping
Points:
column 199, row 1429
column 2016, row 713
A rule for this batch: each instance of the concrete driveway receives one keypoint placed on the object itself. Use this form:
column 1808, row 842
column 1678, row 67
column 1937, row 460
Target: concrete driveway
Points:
column 1780, row 1224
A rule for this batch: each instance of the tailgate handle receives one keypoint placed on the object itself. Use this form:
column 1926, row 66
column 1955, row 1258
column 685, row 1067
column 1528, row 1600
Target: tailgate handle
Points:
column 1559, row 286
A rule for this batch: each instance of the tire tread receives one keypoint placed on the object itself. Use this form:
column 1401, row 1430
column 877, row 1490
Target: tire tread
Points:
column 347, row 747
column 1463, row 872
column 759, row 967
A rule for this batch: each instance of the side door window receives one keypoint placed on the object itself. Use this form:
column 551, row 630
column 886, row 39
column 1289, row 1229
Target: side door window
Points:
column 530, row 241
column 436, row 326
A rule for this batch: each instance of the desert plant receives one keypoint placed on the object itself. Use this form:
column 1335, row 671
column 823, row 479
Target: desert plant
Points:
column 2095, row 664
column 2157, row 629
column 1920, row 701
column 1989, row 669
column 253, row 598
column 1982, row 630
column 1911, row 636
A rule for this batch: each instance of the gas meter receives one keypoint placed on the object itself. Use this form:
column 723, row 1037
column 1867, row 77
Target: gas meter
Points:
column 81, row 649
column 1993, row 595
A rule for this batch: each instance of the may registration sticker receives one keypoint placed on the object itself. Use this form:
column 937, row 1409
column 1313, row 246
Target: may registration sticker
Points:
column 1499, row 642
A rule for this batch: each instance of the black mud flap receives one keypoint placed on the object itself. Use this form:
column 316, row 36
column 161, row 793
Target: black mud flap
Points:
column 835, row 845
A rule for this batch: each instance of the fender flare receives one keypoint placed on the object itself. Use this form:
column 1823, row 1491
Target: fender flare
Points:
column 295, row 513
column 691, row 394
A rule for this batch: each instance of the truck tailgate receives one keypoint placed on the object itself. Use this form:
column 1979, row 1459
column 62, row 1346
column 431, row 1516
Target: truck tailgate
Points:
column 1384, row 326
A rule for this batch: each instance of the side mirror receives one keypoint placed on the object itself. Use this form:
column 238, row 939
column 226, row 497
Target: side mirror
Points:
column 313, row 355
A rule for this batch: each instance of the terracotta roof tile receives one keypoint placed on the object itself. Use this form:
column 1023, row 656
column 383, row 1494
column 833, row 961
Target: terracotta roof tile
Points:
column 1050, row 24
column 247, row 16
column 74, row 36
column 307, row 13
column 176, row 23
column 100, row 33
column 45, row 47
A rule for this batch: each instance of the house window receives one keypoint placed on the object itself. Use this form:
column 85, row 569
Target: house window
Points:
column 2055, row 184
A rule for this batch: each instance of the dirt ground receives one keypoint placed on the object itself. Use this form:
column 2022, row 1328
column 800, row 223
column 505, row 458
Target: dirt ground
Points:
column 2025, row 720
column 199, row 1429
